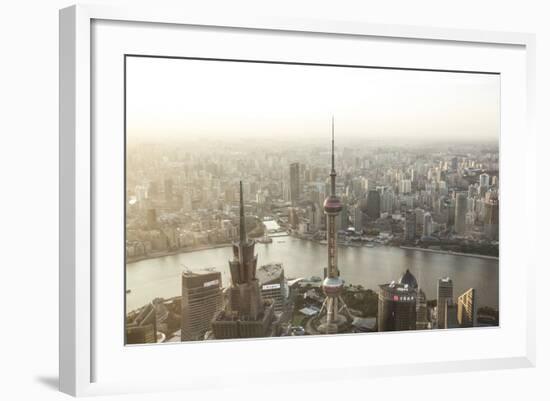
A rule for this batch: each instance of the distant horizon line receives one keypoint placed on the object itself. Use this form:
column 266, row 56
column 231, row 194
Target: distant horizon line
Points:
column 318, row 140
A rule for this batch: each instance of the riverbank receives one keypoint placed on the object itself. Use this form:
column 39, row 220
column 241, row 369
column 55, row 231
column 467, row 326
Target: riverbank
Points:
column 207, row 247
column 474, row 255
column 412, row 248
column 176, row 252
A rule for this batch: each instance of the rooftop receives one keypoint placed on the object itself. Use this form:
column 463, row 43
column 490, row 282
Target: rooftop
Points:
column 200, row 272
column 270, row 272
column 408, row 279
column 398, row 288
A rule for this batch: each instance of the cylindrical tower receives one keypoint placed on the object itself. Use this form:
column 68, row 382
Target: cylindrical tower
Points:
column 333, row 284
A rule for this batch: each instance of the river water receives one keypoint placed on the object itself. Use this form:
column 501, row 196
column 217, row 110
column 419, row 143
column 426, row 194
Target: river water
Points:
column 160, row 277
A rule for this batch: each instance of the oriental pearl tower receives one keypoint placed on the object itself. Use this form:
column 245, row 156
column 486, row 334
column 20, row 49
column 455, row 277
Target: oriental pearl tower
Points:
column 334, row 316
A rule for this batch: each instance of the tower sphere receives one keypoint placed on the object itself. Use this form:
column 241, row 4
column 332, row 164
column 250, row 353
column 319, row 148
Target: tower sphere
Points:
column 332, row 204
column 332, row 286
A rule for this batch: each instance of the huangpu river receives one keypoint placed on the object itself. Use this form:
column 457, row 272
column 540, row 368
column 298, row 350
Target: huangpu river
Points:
column 369, row 267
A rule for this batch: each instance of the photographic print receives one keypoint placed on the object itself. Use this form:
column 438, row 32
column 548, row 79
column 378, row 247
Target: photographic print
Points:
column 273, row 199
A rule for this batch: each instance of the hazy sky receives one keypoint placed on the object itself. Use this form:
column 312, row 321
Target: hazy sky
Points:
column 174, row 98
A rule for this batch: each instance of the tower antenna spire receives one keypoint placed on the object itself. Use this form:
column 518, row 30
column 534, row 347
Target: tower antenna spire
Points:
column 333, row 169
column 242, row 225
column 333, row 144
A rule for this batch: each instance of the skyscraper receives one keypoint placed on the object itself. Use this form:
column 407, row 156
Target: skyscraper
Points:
column 386, row 201
column 342, row 223
column 274, row 285
column 410, row 225
column 294, row 182
column 484, row 180
column 466, row 312
column 454, row 163
column 405, row 186
column 373, row 204
column 201, row 299
column 444, row 298
column 246, row 314
column 461, row 206
column 364, row 220
column 451, row 321
column 483, row 184
column 397, row 304
column 427, row 229
column 358, row 218
column 312, row 217
column 334, row 315
column 490, row 219
column 421, row 311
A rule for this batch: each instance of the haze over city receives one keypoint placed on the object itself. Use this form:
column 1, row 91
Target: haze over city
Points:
column 175, row 99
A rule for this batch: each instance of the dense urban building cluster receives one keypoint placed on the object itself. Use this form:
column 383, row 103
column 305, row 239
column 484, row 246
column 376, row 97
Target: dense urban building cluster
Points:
column 434, row 198
column 438, row 198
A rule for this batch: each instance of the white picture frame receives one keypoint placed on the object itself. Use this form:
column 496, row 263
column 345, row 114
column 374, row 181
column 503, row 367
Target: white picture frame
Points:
column 79, row 344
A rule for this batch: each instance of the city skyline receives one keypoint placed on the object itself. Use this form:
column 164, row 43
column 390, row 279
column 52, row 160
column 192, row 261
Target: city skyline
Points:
column 229, row 236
